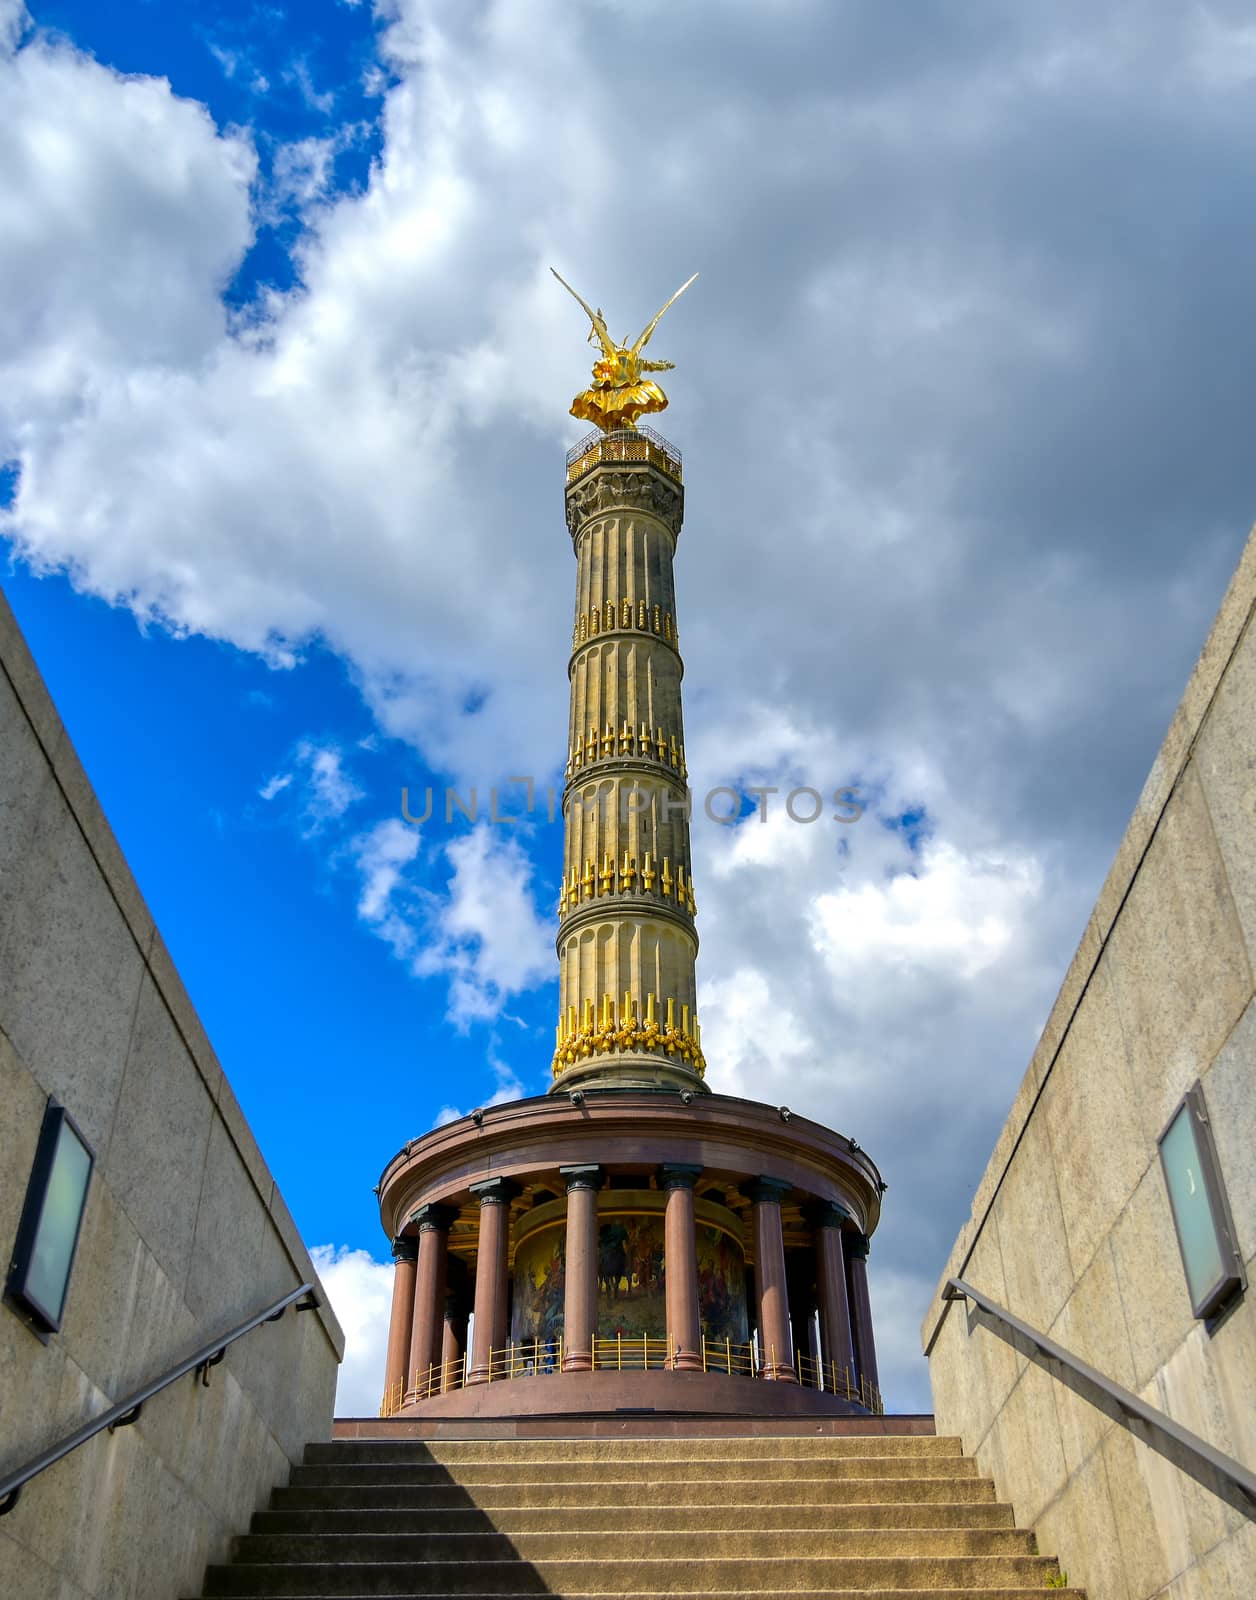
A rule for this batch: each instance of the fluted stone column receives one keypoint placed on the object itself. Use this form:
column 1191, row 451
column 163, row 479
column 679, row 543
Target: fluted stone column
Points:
column 776, row 1346
column 684, row 1331
column 401, row 1321
column 826, row 1218
column 626, row 938
column 861, row 1306
column 434, row 1223
column 580, row 1296
column 491, row 1274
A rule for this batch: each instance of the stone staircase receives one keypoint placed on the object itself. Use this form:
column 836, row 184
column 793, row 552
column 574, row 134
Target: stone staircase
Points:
column 887, row 1517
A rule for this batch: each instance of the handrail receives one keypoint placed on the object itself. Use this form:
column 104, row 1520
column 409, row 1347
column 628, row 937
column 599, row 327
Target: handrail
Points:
column 127, row 1411
column 1204, row 1462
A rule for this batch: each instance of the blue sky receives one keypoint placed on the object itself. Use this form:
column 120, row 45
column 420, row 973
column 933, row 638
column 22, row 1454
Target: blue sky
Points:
column 331, row 1044
column 964, row 393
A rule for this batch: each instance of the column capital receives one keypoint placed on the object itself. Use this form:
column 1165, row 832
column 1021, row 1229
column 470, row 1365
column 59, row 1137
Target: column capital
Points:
column 826, row 1214
column 494, row 1191
column 436, row 1217
column 678, row 1175
column 583, row 1177
column 857, row 1244
column 766, row 1191
column 404, row 1249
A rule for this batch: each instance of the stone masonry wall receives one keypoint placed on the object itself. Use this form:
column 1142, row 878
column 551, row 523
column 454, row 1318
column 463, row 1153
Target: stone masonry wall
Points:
column 185, row 1231
column 1071, row 1227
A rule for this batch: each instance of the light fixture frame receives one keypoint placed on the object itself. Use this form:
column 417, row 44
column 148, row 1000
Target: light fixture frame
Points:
column 42, row 1318
column 1231, row 1279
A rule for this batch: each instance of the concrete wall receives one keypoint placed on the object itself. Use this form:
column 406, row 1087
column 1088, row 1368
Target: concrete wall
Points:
column 1071, row 1226
column 185, row 1232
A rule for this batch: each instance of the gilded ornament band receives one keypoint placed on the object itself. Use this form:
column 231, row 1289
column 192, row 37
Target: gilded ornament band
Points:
column 622, row 877
column 639, row 743
column 621, row 1029
column 626, row 616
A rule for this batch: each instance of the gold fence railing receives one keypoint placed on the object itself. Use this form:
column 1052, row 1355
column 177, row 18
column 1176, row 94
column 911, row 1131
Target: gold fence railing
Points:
column 627, row 445
column 636, row 1353
column 832, row 1379
column 525, row 1359
column 536, row 1358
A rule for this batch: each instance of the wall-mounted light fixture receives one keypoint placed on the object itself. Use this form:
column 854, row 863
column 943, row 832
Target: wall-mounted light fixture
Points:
column 1201, row 1212
column 47, row 1235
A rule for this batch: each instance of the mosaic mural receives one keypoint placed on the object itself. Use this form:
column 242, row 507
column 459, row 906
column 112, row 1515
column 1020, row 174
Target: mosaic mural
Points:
column 630, row 1278
column 721, row 1287
column 631, row 1273
column 539, row 1277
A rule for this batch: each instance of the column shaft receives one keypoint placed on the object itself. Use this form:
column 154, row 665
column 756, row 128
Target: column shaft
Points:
column 580, row 1296
column 429, row 1298
column 861, row 1307
column 837, row 1348
column 684, row 1332
column 776, row 1351
column 491, row 1275
column 401, row 1320
column 454, row 1341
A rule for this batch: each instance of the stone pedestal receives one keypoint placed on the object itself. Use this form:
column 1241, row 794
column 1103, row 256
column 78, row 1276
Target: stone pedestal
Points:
column 572, row 1176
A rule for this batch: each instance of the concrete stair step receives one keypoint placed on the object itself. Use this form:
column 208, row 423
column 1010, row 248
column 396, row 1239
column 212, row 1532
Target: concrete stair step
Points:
column 779, row 1576
column 608, row 1545
column 628, row 1468
column 531, row 1451
column 633, row 1519
column 1036, row 1592
column 364, row 1492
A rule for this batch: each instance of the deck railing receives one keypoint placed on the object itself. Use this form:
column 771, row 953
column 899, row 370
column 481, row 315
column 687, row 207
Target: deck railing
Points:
column 624, row 444
column 541, row 1358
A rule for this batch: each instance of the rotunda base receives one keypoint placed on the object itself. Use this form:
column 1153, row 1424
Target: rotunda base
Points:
column 609, row 1393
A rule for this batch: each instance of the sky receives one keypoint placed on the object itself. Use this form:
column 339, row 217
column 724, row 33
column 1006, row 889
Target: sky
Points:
column 965, row 394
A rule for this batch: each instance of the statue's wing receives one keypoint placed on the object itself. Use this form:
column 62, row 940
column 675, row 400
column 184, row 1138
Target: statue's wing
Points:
column 599, row 322
column 645, row 337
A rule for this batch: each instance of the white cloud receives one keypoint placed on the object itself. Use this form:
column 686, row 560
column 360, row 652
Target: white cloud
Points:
column 481, row 932
column 360, row 1291
column 948, row 914
column 934, row 389
column 275, row 785
column 486, row 936
column 388, row 902
column 315, row 99
column 329, row 789
column 14, row 20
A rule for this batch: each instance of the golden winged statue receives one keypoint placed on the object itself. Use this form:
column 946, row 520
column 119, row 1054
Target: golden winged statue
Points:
column 620, row 393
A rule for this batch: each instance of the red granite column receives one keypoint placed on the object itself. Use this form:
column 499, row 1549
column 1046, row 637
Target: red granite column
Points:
column 680, row 1254
column 776, row 1351
column 860, row 1306
column 434, row 1223
column 491, row 1276
column 454, row 1341
column 826, row 1218
column 580, row 1293
column 401, row 1322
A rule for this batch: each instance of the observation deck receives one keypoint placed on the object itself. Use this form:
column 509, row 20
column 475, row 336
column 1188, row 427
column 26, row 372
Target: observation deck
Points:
column 623, row 445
